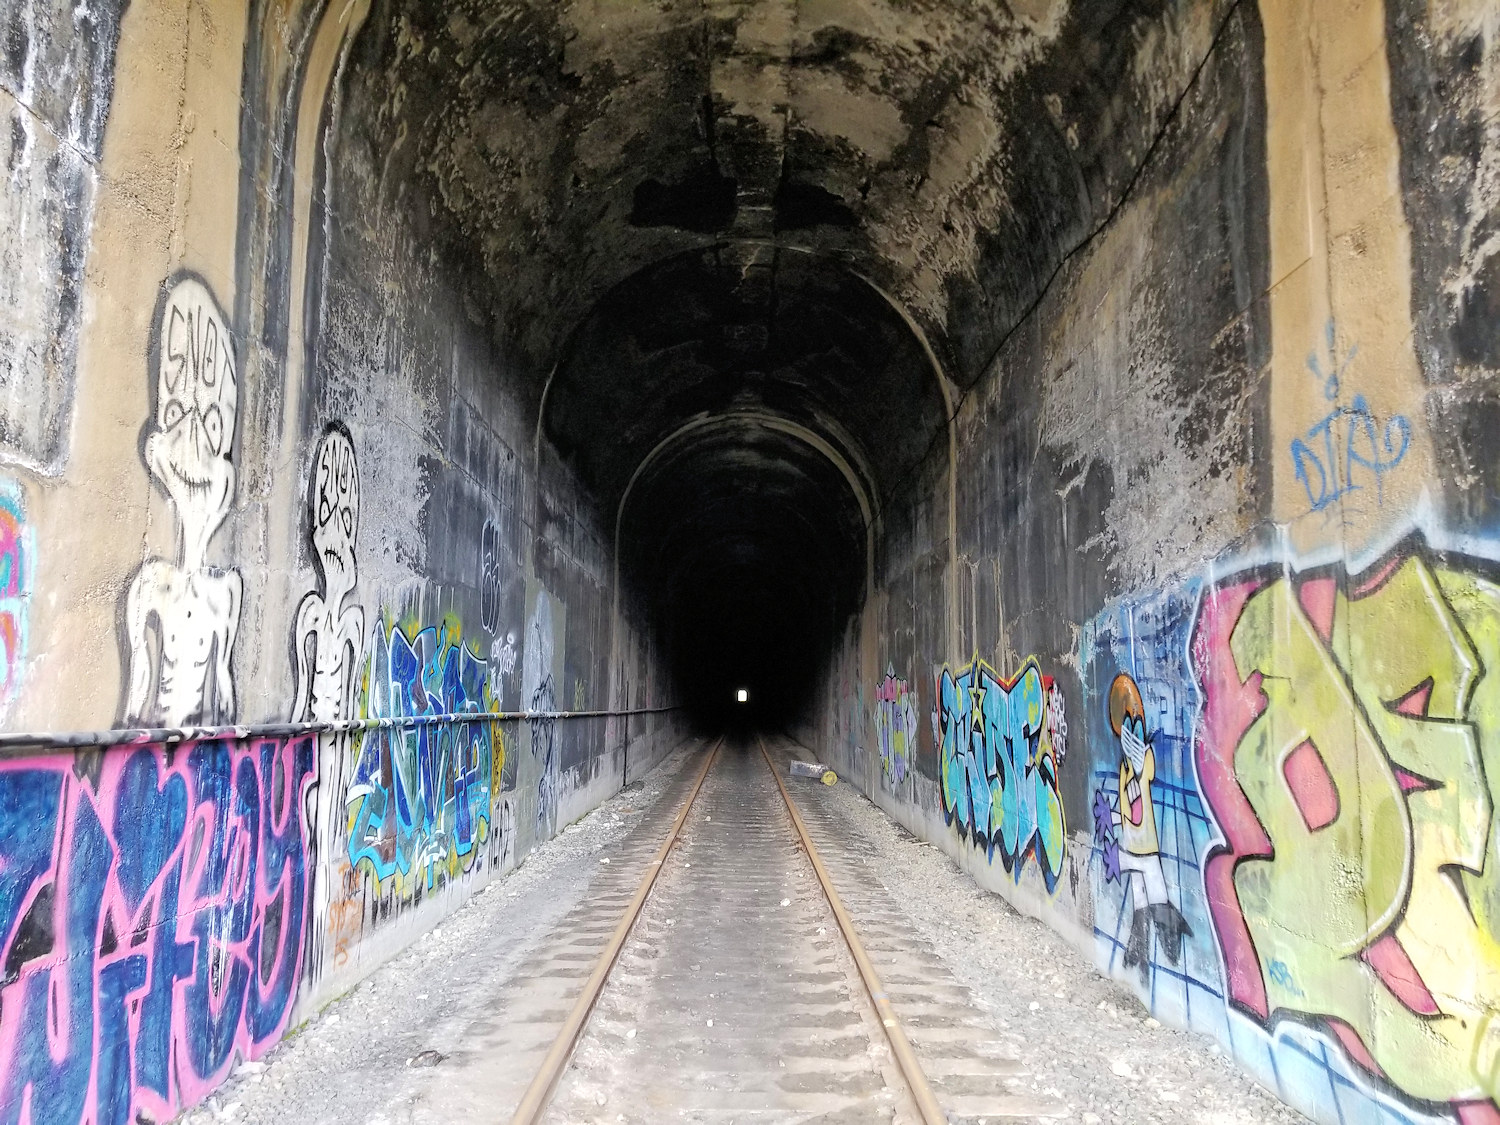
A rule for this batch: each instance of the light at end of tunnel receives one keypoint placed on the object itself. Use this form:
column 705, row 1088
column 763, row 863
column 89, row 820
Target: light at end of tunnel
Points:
column 742, row 696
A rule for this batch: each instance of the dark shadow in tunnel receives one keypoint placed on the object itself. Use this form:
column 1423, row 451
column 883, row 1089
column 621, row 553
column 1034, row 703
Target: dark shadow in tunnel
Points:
column 751, row 545
column 744, row 410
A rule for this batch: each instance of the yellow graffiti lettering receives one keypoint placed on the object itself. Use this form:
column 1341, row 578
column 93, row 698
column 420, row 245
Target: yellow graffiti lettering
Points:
column 1372, row 771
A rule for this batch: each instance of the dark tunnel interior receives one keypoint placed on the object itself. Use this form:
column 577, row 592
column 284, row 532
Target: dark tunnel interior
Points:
column 750, row 414
column 746, row 262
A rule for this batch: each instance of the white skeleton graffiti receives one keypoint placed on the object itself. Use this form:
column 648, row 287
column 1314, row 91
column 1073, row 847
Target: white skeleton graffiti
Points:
column 193, row 608
column 328, row 634
column 327, row 638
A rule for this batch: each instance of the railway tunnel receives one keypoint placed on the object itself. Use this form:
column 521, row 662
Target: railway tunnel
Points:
column 1072, row 423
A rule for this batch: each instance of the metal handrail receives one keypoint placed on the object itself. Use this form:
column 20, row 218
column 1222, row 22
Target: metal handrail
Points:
column 134, row 736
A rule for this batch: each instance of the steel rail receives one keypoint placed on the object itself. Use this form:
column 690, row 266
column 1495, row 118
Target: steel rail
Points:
column 926, row 1101
column 534, row 1101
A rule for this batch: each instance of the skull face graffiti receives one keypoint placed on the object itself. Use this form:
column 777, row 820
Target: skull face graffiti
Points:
column 190, row 449
column 333, row 506
column 1127, row 718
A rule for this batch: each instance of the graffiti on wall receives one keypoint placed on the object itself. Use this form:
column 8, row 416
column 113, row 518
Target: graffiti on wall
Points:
column 540, row 695
column 493, row 554
column 181, row 616
column 1125, row 825
column 1000, row 760
column 895, row 728
column 328, row 633
column 151, row 924
column 17, row 552
column 490, row 573
column 420, row 801
column 327, row 638
column 1348, row 752
column 1349, row 449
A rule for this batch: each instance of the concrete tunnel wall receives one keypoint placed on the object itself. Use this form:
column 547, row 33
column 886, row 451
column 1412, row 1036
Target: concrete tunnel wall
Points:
column 1198, row 380
column 1216, row 700
column 263, row 465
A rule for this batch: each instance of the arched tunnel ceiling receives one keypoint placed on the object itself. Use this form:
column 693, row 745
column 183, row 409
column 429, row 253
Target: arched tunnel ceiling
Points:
column 750, row 330
column 799, row 519
column 951, row 150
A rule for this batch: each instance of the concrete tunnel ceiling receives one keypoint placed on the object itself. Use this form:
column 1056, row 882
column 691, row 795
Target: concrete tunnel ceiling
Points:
column 683, row 213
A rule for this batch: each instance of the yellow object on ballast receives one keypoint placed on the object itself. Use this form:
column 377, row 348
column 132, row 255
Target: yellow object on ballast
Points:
column 830, row 778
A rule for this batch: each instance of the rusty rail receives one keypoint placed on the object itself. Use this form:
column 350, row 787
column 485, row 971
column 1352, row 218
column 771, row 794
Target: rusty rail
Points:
column 534, row 1101
column 926, row 1101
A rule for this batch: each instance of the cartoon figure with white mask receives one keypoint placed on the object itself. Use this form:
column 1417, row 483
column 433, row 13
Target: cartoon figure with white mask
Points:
column 1137, row 856
column 181, row 617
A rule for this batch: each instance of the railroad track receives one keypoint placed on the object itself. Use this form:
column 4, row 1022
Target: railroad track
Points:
column 735, row 984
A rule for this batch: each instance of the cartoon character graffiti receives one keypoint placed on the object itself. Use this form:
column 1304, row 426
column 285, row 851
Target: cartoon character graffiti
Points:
column 895, row 728
column 1128, row 833
column 326, row 642
column 192, row 609
column 1348, row 751
column 328, row 634
column 999, row 765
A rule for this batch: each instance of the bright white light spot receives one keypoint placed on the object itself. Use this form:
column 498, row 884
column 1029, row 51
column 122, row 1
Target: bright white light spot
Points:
column 742, row 695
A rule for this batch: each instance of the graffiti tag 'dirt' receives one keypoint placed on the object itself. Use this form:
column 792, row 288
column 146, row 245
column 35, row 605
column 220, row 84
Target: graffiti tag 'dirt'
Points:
column 421, row 798
column 151, row 925
column 895, row 728
column 1348, row 750
column 1000, row 757
column 1348, row 450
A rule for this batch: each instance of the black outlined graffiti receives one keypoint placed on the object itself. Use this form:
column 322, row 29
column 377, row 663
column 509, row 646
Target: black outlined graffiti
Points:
column 181, row 617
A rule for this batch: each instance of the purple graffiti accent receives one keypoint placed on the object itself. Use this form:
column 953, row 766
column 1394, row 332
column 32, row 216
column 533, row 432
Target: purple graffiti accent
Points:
column 1104, row 836
column 152, row 925
column 1103, row 817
